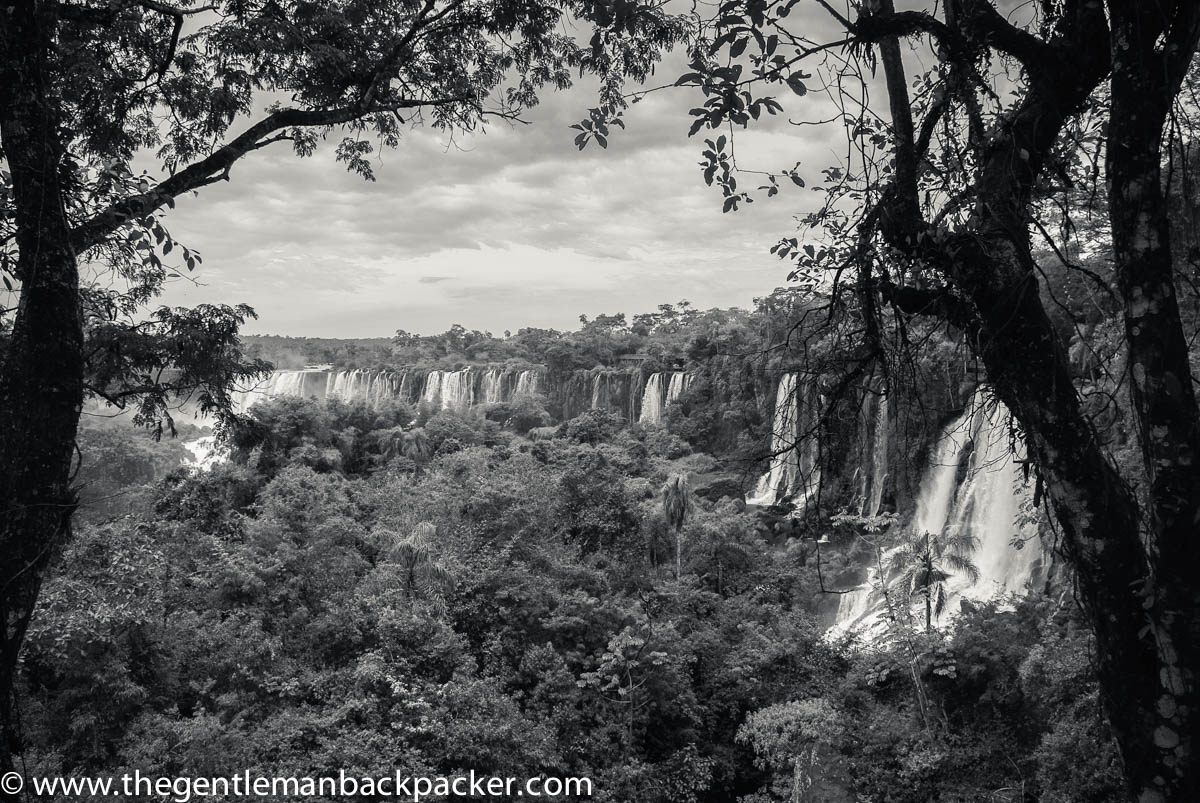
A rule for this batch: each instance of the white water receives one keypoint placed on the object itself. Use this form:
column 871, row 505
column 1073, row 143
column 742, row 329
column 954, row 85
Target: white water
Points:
column 661, row 391
column 303, row 383
column 432, row 393
column 205, row 453
column 527, row 383
column 679, row 383
column 871, row 475
column 987, row 503
column 458, row 390
column 493, row 391
column 794, row 472
column 652, row 402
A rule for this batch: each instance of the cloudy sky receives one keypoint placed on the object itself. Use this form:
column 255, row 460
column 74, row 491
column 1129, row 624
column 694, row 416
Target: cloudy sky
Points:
column 508, row 228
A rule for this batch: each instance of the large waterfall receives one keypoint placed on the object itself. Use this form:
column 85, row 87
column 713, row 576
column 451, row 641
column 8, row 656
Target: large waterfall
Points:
column 973, row 484
column 464, row 388
column 794, row 472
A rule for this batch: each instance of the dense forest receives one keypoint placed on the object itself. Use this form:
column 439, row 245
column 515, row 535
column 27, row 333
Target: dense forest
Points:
column 363, row 584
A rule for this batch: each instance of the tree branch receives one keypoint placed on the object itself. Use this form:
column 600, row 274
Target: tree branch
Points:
column 217, row 165
column 983, row 22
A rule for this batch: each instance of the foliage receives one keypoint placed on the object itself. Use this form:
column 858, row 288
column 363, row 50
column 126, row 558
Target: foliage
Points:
column 502, row 608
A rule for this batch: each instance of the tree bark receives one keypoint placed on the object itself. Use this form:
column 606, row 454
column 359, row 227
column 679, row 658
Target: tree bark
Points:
column 41, row 382
column 1159, row 744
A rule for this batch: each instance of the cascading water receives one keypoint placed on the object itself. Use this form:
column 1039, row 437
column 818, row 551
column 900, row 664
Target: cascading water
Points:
column 652, row 402
column 794, row 472
column 658, row 394
column 441, row 389
column 527, row 383
column 204, row 451
column 873, row 498
column 457, row 389
column 493, row 387
column 304, row 383
column 988, row 503
column 679, row 383
column 432, row 395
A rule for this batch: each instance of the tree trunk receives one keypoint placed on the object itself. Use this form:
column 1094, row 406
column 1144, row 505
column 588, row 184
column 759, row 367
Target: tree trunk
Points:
column 1136, row 570
column 41, row 383
column 1157, row 738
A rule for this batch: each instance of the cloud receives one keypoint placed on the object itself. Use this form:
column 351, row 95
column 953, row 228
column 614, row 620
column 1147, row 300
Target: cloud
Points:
column 509, row 227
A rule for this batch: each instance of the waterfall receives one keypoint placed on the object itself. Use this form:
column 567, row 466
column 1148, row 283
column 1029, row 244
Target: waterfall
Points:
column 527, row 383
column 794, row 472
column 679, row 383
column 458, row 389
column 652, row 402
column 873, row 499
column 432, row 394
column 871, row 466
column 493, row 392
column 658, row 394
column 404, row 386
column 204, row 451
column 305, row 383
column 989, row 506
column 599, row 388
column 987, row 503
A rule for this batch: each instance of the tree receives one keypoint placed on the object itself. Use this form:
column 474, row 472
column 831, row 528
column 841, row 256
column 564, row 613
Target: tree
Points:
column 926, row 561
column 676, row 502
column 416, row 563
column 85, row 87
column 938, row 213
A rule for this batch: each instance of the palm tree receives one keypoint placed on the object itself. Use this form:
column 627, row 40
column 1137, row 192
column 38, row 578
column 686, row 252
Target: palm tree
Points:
column 924, row 563
column 677, row 502
column 419, row 572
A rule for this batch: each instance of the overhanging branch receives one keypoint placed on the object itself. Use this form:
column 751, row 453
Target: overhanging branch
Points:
column 217, row 165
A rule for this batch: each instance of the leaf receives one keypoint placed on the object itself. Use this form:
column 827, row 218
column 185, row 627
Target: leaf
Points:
column 738, row 47
column 797, row 85
column 601, row 140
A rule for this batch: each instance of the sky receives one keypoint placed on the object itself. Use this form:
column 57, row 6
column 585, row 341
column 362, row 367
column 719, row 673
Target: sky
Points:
column 507, row 228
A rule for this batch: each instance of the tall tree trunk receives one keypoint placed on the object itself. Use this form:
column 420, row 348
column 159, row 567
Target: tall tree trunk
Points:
column 1159, row 739
column 41, row 381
